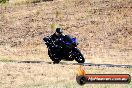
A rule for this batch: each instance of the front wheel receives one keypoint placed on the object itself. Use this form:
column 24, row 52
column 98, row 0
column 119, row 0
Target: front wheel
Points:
column 78, row 56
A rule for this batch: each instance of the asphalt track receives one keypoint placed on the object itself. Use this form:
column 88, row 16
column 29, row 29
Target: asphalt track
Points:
column 84, row 64
column 69, row 63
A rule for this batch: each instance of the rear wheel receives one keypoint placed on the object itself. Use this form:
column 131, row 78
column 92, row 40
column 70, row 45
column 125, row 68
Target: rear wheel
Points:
column 53, row 58
column 56, row 61
column 50, row 55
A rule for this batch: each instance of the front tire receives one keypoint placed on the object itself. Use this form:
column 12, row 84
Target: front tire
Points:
column 78, row 56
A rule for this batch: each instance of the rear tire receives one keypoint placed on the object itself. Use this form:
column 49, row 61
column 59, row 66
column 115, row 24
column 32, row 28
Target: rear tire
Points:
column 56, row 61
column 52, row 57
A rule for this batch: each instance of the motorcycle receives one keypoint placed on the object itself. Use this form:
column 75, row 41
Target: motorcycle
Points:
column 66, row 50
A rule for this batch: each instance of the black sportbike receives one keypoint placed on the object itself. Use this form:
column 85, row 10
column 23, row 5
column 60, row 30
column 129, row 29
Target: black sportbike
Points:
column 66, row 50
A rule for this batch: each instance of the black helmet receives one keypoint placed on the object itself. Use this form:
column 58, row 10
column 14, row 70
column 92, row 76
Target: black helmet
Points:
column 59, row 30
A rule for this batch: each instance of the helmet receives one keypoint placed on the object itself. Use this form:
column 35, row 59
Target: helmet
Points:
column 59, row 30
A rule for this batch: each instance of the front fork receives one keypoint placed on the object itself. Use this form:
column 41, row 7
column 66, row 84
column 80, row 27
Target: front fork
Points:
column 73, row 53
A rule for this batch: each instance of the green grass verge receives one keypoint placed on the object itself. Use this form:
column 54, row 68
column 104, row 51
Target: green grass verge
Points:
column 4, row 59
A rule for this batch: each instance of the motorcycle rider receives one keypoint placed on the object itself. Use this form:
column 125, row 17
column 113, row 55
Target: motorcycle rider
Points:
column 58, row 37
column 58, row 42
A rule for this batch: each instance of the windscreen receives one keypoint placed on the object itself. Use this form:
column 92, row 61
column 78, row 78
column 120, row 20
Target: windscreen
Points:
column 68, row 39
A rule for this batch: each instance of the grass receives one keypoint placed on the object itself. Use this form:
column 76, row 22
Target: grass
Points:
column 42, row 75
column 43, row 16
column 23, row 1
column 18, row 2
column 75, row 85
column 5, row 59
column 3, row 1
